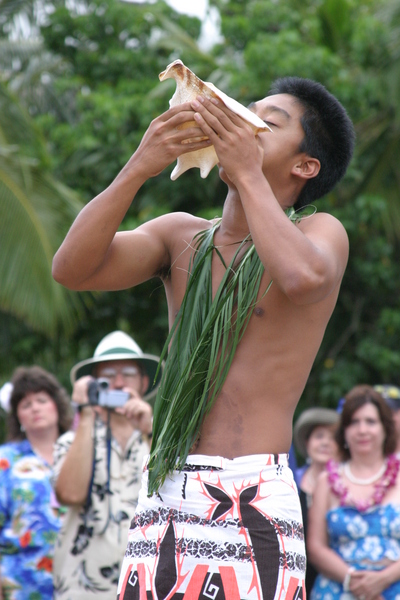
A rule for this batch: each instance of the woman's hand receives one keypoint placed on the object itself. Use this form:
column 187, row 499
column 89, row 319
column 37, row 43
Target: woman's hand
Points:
column 368, row 585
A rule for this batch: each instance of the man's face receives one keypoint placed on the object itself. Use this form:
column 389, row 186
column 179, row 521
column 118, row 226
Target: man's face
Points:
column 282, row 113
column 123, row 374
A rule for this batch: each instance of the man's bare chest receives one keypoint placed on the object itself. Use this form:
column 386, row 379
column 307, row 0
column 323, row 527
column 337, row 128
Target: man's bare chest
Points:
column 219, row 268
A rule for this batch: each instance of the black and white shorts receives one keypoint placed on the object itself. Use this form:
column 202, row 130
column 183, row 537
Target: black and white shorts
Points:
column 219, row 529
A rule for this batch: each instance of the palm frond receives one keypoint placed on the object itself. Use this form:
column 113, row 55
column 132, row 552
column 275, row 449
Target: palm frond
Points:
column 34, row 210
column 18, row 52
column 201, row 346
column 30, row 230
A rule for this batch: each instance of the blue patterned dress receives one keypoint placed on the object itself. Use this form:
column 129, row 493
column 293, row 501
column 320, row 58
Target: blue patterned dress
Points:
column 29, row 523
column 363, row 540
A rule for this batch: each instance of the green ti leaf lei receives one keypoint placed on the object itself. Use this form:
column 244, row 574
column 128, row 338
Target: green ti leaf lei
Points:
column 202, row 343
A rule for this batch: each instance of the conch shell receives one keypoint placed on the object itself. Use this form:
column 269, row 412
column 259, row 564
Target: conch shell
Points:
column 188, row 87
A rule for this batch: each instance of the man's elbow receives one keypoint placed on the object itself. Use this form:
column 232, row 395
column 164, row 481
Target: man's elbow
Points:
column 58, row 271
column 307, row 288
column 69, row 497
column 62, row 274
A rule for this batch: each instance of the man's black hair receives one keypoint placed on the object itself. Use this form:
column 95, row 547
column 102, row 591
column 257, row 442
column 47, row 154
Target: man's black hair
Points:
column 328, row 134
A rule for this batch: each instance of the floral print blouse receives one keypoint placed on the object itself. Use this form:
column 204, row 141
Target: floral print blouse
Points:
column 29, row 523
column 365, row 540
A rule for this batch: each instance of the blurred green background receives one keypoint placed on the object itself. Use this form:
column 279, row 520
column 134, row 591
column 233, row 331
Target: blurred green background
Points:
column 78, row 88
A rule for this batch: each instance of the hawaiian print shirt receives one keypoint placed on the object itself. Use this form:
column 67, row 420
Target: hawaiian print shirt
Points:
column 364, row 540
column 29, row 523
column 93, row 540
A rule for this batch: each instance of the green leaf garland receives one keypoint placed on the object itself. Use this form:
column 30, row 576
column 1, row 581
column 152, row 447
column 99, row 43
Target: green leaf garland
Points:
column 202, row 343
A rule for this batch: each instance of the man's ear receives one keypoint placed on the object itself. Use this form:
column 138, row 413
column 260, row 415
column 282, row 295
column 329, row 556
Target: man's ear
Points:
column 306, row 168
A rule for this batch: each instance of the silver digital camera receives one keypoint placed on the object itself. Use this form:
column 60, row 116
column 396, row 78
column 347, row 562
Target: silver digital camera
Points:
column 100, row 394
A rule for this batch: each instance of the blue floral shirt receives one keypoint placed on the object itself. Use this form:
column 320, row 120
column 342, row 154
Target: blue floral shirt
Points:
column 29, row 523
column 364, row 540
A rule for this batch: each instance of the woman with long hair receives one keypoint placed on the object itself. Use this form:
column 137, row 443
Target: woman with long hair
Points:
column 354, row 521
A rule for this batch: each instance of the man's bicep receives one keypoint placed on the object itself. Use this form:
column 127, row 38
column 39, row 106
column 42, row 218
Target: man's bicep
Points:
column 336, row 245
column 323, row 263
column 143, row 253
column 133, row 257
column 330, row 239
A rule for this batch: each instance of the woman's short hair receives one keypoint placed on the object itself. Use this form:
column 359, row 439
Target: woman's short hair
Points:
column 355, row 399
column 27, row 380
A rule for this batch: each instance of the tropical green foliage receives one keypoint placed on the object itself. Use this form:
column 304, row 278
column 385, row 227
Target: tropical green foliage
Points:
column 35, row 209
column 78, row 98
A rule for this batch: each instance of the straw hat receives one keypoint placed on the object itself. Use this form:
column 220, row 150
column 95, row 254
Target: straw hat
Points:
column 120, row 346
column 307, row 421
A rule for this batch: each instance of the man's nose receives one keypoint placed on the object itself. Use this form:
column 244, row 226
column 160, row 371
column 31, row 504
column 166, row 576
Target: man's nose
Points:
column 119, row 381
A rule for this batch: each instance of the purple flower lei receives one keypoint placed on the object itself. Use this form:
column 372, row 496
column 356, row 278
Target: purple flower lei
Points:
column 387, row 481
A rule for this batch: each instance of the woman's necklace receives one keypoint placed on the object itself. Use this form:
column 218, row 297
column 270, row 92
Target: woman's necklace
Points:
column 366, row 481
column 381, row 487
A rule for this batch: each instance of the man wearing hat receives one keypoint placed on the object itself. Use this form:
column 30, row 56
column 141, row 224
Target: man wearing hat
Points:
column 97, row 468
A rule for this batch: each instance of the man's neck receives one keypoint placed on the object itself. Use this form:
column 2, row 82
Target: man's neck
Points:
column 233, row 227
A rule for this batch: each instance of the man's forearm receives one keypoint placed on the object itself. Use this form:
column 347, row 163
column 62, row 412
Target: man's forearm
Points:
column 304, row 263
column 87, row 248
column 89, row 239
column 280, row 245
column 72, row 484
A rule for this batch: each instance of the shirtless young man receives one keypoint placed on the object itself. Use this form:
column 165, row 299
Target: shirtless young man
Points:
column 236, row 491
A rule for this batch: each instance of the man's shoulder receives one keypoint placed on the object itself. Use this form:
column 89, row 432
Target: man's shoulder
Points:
column 319, row 219
column 177, row 222
column 176, row 231
column 325, row 226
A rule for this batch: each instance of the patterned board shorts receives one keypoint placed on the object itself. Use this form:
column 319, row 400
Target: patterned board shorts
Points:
column 219, row 529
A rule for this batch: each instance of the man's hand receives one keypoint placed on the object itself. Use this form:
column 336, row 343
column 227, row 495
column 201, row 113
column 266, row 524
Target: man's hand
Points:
column 168, row 136
column 138, row 412
column 80, row 394
column 237, row 148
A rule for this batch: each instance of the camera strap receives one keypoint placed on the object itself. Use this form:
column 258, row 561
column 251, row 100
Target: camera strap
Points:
column 108, row 442
column 88, row 502
column 108, row 490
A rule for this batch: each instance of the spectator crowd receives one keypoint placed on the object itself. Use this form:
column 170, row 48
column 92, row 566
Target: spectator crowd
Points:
column 70, row 476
